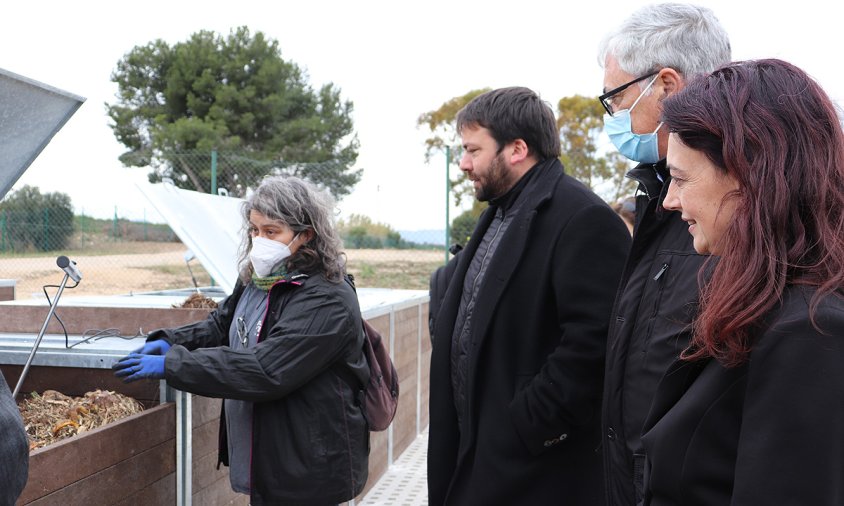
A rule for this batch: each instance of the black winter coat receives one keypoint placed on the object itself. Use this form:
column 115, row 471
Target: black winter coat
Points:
column 656, row 302
column 770, row 431
column 539, row 337
column 310, row 442
column 14, row 448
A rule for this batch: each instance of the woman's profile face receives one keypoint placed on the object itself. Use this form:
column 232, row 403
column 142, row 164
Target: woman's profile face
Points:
column 699, row 191
column 262, row 226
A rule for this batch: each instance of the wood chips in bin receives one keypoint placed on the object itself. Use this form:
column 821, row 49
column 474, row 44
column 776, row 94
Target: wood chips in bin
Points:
column 197, row 300
column 53, row 416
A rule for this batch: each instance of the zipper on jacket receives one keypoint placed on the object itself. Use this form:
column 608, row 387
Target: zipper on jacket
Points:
column 661, row 272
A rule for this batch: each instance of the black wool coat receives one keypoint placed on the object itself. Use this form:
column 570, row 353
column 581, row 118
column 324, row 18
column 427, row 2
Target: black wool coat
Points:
column 770, row 431
column 538, row 342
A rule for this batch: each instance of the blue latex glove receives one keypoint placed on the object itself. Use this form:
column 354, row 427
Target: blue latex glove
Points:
column 157, row 347
column 135, row 366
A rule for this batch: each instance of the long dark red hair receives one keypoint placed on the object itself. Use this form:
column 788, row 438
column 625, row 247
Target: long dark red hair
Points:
column 772, row 128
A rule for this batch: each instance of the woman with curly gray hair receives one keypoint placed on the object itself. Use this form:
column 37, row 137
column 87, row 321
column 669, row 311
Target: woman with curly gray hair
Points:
column 307, row 213
column 292, row 431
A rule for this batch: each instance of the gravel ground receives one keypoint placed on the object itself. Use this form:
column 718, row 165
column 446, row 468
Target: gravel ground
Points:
column 159, row 266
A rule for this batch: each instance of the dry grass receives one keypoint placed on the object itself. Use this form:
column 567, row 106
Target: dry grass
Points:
column 124, row 267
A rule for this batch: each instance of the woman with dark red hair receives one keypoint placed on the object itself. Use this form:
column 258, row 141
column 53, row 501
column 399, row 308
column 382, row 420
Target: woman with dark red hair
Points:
column 753, row 410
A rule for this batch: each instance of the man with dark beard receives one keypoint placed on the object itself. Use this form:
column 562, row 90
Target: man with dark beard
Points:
column 519, row 337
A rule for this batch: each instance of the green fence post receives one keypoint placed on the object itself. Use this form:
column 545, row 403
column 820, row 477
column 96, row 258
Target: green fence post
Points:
column 213, row 172
column 213, row 180
column 46, row 226
column 114, row 226
column 3, row 232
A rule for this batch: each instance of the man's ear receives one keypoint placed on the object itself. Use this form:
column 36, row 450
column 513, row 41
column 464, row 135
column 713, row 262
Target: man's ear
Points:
column 519, row 151
column 670, row 82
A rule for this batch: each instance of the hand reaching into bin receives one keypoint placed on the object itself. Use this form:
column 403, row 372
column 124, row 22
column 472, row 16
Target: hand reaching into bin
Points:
column 135, row 366
column 157, row 347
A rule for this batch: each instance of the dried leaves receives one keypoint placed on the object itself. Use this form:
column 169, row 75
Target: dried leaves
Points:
column 53, row 416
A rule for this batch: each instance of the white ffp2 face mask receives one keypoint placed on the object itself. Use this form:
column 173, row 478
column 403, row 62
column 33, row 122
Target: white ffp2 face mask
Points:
column 267, row 254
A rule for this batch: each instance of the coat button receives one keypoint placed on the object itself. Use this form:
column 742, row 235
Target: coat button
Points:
column 552, row 442
column 611, row 434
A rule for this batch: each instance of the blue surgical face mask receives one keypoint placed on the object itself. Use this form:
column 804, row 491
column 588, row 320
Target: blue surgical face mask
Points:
column 642, row 148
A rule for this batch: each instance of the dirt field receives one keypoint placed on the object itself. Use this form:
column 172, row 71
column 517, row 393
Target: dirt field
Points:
column 158, row 266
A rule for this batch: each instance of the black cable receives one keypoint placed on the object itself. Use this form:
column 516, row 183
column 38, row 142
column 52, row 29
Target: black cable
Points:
column 98, row 334
column 49, row 302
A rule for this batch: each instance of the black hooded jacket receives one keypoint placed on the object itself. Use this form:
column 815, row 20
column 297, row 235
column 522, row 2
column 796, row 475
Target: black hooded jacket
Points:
column 310, row 441
column 14, row 448
column 655, row 304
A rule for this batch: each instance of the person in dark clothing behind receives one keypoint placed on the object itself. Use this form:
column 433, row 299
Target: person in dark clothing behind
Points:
column 14, row 448
column 753, row 412
column 520, row 336
column 626, row 208
column 646, row 59
column 292, row 431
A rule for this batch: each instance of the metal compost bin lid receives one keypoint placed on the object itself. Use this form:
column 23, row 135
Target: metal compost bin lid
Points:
column 30, row 114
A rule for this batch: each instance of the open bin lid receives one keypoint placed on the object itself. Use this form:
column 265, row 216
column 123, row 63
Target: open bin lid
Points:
column 210, row 225
column 30, row 115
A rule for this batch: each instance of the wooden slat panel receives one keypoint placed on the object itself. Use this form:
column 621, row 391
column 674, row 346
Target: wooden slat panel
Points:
column 426, row 334
column 219, row 494
column 206, row 439
column 162, row 492
column 406, row 352
column 204, row 409
column 382, row 325
column 77, row 320
column 206, row 474
column 377, row 458
column 424, row 388
column 117, row 482
column 72, row 459
column 404, row 424
column 77, row 381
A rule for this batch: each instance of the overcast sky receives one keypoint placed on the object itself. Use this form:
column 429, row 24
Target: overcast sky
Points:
column 394, row 60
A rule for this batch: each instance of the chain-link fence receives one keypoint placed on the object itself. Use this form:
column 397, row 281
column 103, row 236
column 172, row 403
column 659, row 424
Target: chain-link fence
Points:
column 134, row 250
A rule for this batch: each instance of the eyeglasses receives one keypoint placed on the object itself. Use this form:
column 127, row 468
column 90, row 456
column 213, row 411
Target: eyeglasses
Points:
column 242, row 334
column 606, row 98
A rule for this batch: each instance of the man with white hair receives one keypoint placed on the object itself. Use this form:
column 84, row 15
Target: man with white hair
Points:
column 646, row 59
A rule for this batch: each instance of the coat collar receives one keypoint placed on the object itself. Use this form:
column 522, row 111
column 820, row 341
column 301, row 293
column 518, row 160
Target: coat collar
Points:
column 536, row 194
column 503, row 265
column 652, row 178
column 537, row 191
